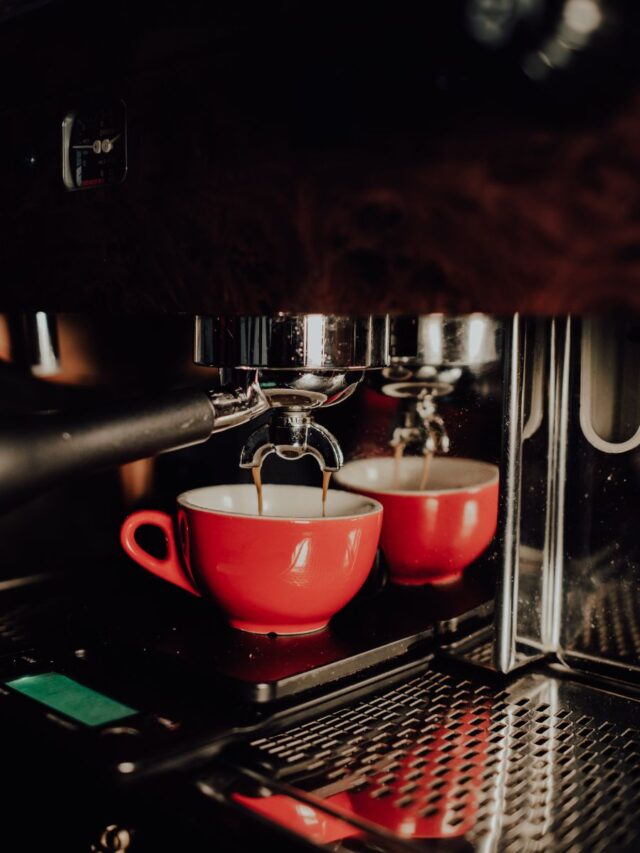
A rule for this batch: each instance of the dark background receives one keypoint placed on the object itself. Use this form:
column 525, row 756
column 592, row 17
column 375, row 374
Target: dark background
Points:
column 401, row 156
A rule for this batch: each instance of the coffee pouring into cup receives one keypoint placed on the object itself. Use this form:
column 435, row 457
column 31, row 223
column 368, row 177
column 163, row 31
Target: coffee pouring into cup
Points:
column 287, row 570
column 280, row 559
column 440, row 512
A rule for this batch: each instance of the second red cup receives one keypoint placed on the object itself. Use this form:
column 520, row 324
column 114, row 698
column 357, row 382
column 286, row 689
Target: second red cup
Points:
column 429, row 535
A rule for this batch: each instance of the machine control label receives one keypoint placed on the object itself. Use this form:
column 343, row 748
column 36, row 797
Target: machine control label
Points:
column 61, row 693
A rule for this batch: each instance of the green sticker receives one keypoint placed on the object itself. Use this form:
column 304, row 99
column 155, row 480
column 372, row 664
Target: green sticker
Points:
column 70, row 698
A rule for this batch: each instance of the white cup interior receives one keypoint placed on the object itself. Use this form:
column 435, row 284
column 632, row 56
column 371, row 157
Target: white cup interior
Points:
column 387, row 475
column 279, row 501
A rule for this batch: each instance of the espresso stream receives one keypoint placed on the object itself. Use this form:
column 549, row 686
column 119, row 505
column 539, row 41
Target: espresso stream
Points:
column 326, row 476
column 398, row 453
column 257, row 479
column 426, row 465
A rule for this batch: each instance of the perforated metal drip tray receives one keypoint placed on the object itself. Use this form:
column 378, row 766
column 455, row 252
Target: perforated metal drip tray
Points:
column 445, row 760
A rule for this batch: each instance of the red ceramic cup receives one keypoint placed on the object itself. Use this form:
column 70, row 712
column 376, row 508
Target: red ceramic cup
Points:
column 429, row 536
column 285, row 572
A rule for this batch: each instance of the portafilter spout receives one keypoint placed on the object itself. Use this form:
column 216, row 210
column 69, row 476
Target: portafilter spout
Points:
column 304, row 362
column 419, row 425
column 431, row 356
column 291, row 435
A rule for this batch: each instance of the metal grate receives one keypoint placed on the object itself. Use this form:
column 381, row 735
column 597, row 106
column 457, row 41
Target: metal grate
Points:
column 517, row 768
column 610, row 625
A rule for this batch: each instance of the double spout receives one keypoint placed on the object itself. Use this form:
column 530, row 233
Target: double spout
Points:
column 431, row 356
column 304, row 362
column 421, row 426
column 291, row 435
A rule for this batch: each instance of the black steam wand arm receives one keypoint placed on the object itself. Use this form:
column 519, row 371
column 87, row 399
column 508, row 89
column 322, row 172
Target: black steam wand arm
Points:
column 40, row 451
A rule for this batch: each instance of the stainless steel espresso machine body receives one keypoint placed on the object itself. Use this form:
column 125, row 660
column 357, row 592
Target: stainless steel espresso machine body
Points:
column 499, row 712
column 569, row 579
column 542, row 757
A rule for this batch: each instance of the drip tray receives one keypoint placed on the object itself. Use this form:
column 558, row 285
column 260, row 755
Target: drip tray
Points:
column 107, row 613
column 450, row 760
column 384, row 627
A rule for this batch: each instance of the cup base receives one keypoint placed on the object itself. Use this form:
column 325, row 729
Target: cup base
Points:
column 437, row 581
column 281, row 630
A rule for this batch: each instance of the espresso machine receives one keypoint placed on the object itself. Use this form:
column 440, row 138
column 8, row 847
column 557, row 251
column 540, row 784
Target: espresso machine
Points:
column 266, row 242
column 498, row 713
column 521, row 734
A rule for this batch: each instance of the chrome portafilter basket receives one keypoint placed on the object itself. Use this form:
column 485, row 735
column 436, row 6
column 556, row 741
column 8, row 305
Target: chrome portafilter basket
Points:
column 301, row 362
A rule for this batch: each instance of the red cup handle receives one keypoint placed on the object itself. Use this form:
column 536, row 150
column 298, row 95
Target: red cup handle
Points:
column 170, row 568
